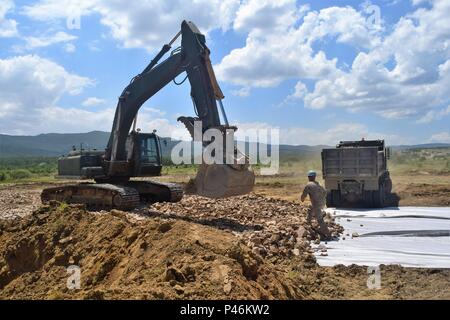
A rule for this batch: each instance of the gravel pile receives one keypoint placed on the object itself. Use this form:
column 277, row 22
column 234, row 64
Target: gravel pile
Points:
column 271, row 227
column 18, row 202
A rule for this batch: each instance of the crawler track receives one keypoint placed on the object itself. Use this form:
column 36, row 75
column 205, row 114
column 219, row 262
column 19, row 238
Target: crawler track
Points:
column 112, row 196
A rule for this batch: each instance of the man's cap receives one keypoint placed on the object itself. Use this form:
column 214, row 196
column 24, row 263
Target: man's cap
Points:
column 312, row 173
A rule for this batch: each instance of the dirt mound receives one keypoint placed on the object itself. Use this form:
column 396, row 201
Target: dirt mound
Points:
column 271, row 227
column 133, row 259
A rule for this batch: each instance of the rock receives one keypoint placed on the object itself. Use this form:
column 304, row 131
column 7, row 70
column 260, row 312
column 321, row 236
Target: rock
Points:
column 355, row 234
column 227, row 287
column 300, row 232
column 256, row 241
column 296, row 252
column 164, row 227
column 270, row 227
column 118, row 213
column 174, row 274
column 178, row 289
column 65, row 240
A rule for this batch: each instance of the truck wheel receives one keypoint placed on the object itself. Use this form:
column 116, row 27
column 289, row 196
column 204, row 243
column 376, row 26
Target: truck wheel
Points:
column 336, row 198
column 387, row 186
column 329, row 199
column 368, row 199
column 379, row 197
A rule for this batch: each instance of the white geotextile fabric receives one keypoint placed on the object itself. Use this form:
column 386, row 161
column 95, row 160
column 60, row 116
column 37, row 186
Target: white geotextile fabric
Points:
column 408, row 236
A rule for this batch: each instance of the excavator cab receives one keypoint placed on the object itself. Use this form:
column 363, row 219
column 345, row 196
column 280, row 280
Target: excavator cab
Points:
column 146, row 154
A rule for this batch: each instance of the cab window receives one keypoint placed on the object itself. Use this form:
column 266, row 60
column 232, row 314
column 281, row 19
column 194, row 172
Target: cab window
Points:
column 149, row 150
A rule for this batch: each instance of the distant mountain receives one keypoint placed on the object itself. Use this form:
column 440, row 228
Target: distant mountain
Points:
column 422, row 146
column 52, row 144
column 55, row 144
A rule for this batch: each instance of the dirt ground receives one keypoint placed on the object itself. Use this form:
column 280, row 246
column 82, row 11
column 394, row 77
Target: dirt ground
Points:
column 426, row 190
column 250, row 247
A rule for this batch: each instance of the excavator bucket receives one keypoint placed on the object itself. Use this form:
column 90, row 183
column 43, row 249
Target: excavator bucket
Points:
column 221, row 180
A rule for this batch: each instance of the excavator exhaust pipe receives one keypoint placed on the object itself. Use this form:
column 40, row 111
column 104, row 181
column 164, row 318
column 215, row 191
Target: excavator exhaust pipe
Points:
column 222, row 180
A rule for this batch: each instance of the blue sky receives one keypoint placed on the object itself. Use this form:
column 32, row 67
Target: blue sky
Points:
column 319, row 71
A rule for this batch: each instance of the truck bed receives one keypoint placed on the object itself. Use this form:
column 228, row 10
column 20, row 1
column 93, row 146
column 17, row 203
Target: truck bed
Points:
column 352, row 162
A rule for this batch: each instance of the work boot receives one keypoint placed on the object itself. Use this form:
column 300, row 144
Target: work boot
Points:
column 324, row 232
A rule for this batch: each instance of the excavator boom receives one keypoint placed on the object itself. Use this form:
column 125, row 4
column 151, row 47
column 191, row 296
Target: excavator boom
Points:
column 216, row 180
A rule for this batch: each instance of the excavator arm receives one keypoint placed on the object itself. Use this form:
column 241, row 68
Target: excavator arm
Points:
column 192, row 58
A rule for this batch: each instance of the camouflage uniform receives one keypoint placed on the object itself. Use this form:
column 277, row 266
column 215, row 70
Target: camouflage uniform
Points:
column 317, row 195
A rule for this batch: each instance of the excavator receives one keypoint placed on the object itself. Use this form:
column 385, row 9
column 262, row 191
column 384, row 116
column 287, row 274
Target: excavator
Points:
column 131, row 153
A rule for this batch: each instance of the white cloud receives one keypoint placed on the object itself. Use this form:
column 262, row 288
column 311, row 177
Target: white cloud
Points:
column 300, row 91
column 70, row 47
column 443, row 137
column 73, row 120
column 282, row 49
column 163, row 126
column 266, row 15
column 312, row 136
column 267, row 62
column 141, row 24
column 345, row 23
column 29, row 85
column 402, row 73
column 434, row 115
column 46, row 10
column 31, row 88
column 8, row 27
column 154, row 111
column 48, row 40
column 242, row 92
column 416, row 84
column 92, row 102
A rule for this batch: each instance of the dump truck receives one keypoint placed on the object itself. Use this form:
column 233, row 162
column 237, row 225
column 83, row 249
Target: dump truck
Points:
column 356, row 173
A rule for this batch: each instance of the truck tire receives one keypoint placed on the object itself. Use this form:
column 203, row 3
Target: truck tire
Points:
column 388, row 186
column 368, row 199
column 336, row 198
column 379, row 197
column 329, row 199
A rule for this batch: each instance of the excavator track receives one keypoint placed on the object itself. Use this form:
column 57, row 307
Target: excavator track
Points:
column 94, row 195
column 107, row 196
column 154, row 191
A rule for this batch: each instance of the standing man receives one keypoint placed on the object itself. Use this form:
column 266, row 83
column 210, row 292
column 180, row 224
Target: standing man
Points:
column 317, row 195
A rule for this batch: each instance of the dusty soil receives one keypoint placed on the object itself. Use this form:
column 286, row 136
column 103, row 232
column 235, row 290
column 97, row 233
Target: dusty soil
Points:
column 422, row 194
column 249, row 247
column 426, row 191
